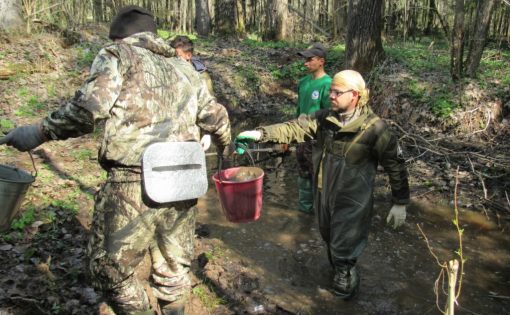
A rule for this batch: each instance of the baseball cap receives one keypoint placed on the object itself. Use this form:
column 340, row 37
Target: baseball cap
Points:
column 315, row 50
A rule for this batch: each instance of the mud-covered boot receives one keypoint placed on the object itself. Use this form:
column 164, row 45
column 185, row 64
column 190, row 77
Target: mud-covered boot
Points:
column 173, row 309
column 346, row 282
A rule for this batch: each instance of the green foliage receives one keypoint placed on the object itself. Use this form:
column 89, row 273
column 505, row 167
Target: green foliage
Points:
column 167, row 34
column 215, row 253
column 335, row 59
column 26, row 219
column 82, row 154
column 205, row 295
column 256, row 43
column 85, row 57
column 416, row 90
column 6, row 124
column 69, row 202
column 420, row 58
column 442, row 106
column 32, row 105
column 250, row 75
column 293, row 71
column 494, row 68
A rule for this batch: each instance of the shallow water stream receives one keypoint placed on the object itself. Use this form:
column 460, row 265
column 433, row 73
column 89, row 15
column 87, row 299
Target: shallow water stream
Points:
column 287, row 261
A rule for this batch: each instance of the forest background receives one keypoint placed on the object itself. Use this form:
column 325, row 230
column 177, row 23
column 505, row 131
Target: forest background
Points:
column 438, row 71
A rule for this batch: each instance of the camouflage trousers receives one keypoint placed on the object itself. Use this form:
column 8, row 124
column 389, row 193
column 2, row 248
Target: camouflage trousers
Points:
column 125, row 231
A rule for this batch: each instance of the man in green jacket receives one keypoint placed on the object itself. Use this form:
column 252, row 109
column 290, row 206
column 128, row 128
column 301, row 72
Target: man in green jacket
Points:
column 312, row 96
column 145, row 95
column 350, row 142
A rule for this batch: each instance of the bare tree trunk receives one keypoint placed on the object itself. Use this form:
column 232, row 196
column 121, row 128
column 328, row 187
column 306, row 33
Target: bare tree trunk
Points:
column 276, row 26
column 225, row 12
column 430, row 17
column 10, row 15
column 98, row 11
column 339, row 18
column 364, row 46
column 241, row 24
column 478, row 40
column 203, row 18
column 457, row 49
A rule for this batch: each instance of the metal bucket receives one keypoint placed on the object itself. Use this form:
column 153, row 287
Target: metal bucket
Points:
column 174, row 171
column 14, row 184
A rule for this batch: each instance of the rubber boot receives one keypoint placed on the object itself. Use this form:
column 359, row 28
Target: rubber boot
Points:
column 305, row 203
column 346, row 282
column 173, row 309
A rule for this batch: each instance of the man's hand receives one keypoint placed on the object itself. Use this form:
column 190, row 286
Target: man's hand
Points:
column 244, row 138
column 398, row 214
column 24, row 138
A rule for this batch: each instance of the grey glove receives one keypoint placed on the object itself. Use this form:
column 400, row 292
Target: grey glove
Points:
column 24, row 138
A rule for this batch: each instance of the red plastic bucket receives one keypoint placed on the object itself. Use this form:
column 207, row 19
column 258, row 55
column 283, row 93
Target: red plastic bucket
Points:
column 240, row 190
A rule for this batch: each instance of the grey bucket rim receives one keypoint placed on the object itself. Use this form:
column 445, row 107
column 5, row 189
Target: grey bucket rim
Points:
column 28, row 180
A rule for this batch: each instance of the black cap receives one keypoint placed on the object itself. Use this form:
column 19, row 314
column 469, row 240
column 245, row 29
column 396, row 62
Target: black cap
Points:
column 131, row 19
column 316, row 50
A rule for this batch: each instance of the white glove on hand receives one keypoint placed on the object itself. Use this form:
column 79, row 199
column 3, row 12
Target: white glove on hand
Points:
column 205, row 142
column 250, row 135
column 398, row 214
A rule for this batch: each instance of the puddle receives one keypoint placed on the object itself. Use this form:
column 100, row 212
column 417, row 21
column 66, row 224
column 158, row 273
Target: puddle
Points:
column 284, row 251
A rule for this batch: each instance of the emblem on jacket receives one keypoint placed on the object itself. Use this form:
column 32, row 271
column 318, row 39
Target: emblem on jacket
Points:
column 315, row 95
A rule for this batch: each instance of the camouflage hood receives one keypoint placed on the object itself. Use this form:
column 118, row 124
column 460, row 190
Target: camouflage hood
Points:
column 151, row 42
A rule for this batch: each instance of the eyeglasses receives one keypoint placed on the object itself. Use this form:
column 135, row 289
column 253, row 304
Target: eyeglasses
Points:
column 335, row 93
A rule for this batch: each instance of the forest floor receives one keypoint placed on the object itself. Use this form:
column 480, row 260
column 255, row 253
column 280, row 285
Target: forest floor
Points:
column 277, row 264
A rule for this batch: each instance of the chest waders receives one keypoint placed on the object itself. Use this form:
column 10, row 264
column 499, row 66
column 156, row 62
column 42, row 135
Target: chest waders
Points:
column 345, row 200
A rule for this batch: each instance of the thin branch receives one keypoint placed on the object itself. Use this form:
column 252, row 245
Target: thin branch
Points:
column 429, row 247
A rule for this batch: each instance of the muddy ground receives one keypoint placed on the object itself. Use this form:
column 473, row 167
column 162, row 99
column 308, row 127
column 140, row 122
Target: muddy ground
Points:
column 277, row 264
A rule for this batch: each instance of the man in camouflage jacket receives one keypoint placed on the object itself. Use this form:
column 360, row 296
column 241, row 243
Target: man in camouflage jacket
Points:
column 145, row 95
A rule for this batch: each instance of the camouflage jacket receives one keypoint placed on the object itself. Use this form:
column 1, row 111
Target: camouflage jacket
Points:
column 145, row 95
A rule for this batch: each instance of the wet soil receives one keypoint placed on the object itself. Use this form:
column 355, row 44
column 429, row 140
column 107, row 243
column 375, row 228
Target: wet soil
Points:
column 277, row 264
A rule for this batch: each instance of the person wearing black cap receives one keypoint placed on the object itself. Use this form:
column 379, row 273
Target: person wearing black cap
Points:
column 145, row 96
column 312, row 96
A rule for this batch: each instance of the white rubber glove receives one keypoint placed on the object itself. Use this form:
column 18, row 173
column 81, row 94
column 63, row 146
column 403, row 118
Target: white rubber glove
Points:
column 205, row 142
column 249, row 135
column 398, row 214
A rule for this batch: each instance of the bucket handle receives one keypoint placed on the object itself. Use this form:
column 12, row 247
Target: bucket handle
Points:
column 220, row 160
column 33, row 163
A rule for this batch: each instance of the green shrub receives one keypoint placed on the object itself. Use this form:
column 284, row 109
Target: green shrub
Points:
column 26, row 219
column 293, row 71
column 443, row 106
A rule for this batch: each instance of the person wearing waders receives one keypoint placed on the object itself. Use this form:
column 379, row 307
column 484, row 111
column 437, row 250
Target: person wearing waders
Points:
column 351, row 141
column 146, row 97
column 312, row 96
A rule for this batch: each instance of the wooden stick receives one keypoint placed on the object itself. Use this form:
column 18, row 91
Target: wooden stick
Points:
column 453, row 268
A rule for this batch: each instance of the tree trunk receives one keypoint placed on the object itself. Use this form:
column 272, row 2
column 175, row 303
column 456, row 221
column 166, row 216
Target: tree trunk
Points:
column 430, row 17
column 477, row 44
column 364, row 46
column 241, row 24
column 10, row 15
column 276, row 27
column 339, row 18
column 225, row 13
column 98, row 11
column 457, row 49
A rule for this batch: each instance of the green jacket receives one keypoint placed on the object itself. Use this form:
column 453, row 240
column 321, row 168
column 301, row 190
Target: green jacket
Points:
column 345, row 158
